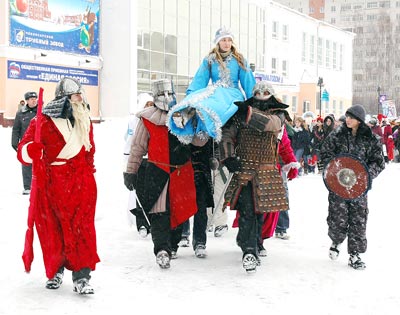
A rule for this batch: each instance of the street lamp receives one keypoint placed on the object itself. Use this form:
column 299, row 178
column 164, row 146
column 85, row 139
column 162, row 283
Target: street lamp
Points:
column 379, row 96
column 320, row 84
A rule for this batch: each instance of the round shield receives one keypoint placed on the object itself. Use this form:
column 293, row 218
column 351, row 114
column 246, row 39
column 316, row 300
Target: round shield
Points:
column 347, row 177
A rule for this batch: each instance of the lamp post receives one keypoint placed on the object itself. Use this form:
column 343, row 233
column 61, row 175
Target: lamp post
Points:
column 320, row 84
column 379, row 96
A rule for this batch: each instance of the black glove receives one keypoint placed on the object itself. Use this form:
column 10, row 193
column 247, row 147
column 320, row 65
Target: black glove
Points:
column 242, row 111
column 233, row 164
column 130, row 180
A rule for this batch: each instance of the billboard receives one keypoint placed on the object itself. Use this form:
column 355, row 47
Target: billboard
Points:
column 69, row 26
column 389, row 108
column 18, row 70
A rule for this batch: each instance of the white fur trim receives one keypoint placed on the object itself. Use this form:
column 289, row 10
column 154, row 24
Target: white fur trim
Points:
column 291, row 165
column 24, row 153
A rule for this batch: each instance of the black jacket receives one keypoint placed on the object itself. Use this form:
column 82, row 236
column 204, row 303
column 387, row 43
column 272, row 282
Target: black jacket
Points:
column 21, row 123
column 364, row 145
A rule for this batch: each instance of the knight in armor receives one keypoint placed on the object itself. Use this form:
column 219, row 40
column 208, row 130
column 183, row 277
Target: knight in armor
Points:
column 348, row 218
column 249, row 149
column 206, row 108
column 66, row 194
column 165, row 187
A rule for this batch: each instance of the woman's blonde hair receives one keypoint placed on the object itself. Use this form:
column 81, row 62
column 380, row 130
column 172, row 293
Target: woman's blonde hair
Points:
column 235, row 53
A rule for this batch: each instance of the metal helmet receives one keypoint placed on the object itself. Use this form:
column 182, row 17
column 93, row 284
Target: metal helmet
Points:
column 261, row 87
column 68, row 86
column 164, row 94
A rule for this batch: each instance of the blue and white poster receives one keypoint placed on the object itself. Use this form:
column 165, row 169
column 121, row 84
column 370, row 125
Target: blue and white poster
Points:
column 70, row 26
column 18, row 70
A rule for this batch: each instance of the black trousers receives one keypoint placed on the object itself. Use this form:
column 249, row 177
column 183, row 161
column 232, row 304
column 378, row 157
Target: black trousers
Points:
column 248, row 234
column 164, row 238
column 200, row 218
column 27, row 176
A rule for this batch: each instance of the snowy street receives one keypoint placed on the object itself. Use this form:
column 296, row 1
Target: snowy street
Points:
column 297, row 276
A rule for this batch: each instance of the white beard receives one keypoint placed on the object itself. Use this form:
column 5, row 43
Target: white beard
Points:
column 82, row 122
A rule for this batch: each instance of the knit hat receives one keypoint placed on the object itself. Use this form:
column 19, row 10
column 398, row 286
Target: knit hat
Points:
column 223, row 32
column 357, row 111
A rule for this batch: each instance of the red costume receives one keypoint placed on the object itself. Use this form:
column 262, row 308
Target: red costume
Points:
column 66, row 197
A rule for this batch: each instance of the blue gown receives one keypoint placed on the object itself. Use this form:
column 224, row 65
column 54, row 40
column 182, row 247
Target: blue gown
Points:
column 206, row 108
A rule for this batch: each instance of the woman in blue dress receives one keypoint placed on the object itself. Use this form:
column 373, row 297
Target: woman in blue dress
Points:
column 206, row 108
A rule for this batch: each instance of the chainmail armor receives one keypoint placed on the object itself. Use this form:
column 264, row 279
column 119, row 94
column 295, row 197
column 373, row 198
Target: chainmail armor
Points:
column 258, row 155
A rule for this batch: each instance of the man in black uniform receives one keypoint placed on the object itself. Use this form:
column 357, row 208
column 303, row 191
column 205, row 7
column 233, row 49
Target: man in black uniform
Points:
column 21, row 123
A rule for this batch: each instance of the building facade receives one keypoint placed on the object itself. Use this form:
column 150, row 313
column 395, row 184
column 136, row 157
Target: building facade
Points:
column 376, row 60
column 282, row 44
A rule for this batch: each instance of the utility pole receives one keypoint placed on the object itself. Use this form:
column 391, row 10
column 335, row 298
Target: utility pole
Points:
column 379, row 96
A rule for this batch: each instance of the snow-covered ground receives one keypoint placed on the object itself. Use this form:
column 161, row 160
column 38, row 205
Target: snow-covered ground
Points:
column 297, row 277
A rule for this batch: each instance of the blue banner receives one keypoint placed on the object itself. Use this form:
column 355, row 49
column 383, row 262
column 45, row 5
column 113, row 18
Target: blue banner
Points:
column 274, row 78
column 42, row 72
column 69, row 26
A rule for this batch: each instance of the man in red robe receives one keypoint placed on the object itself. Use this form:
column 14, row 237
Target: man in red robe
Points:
column 65, row 204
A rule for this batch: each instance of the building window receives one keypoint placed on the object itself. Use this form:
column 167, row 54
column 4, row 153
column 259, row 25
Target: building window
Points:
column 384, row 4
column 345, row 7
column 157, row 41
column 312, row 49
column 294, row 104
column 333, row 21
column 284, row 69
column 334, row 53
column 274, row 62
column 319, row 51
column 333, row 8
column 341, row 58
column 306, row 106
column 334, row 107
column 372, row 5
column 327, row 53
column 322, row 10
column 143, row 59
column 341, row 107
column 311, row 10
column 326, row 107
column 285, row 32
column 303, row 48
column 275, row 29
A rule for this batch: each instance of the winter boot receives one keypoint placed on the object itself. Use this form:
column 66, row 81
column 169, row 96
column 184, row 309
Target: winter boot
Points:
column 56, row 281
column 261, row 250
column 282, row 235
column 200, row 251
column 220, row 230
column 163, row 259
column 143, row 232
column 334, row 251
column 174, row 254
column 82, row 286
column 184, row 242
column 249, row 262
column 356, row 262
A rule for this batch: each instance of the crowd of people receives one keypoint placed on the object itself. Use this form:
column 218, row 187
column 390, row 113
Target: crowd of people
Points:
column 230, row 144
